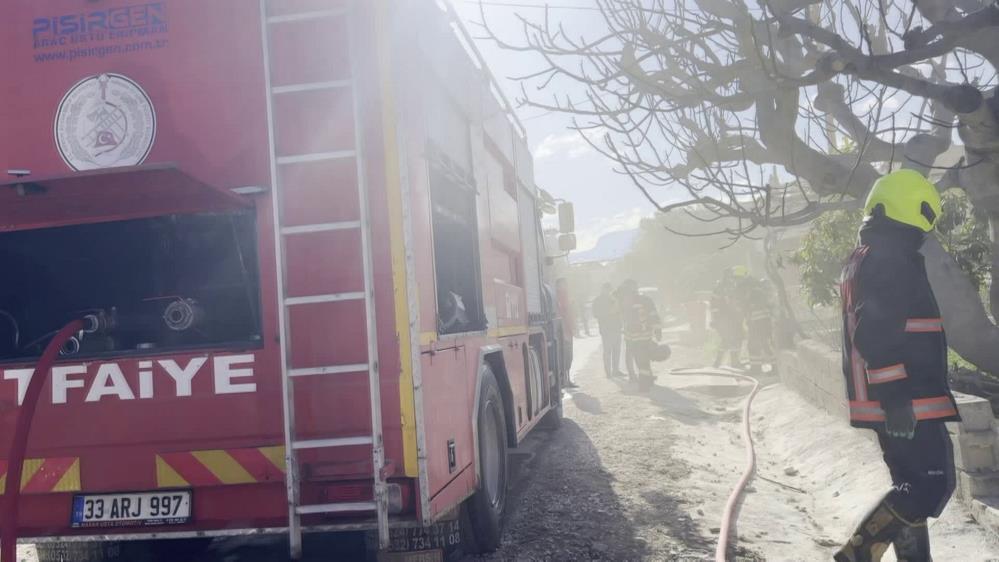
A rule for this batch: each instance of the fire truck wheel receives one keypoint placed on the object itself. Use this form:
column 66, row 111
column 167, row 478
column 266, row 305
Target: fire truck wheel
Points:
column 553, row 419
column 485, row 508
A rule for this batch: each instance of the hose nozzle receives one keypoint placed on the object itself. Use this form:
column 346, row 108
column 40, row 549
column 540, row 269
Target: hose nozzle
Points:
column 99, row 321
column 183, row 314
column 72, row 346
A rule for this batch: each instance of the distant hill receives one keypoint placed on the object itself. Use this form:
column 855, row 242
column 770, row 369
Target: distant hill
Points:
column 611, row 246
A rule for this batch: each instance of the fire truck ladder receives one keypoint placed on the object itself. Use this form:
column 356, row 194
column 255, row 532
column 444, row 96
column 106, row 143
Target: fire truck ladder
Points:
column 290, row 373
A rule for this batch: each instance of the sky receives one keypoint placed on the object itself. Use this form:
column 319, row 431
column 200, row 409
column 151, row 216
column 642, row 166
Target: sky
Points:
column 565, row 165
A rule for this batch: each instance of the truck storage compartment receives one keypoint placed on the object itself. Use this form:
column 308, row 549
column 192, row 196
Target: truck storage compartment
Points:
column 161, row 283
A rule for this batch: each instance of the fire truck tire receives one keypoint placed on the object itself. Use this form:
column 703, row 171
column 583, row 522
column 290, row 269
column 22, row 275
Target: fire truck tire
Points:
column 485, row 508
column 553, row 419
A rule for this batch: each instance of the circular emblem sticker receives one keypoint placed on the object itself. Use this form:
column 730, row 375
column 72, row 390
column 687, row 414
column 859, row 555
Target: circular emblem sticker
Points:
column 105, row 121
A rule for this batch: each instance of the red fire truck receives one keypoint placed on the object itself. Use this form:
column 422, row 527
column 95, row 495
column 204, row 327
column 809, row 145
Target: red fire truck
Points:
column 306, row 238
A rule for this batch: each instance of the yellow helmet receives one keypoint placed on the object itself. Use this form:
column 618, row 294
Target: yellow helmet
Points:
column 906, row 197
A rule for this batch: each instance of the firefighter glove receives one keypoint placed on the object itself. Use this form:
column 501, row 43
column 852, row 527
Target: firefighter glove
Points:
column 900, row 420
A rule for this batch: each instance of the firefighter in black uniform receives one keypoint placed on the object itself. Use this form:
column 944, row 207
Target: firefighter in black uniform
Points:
column 895, row 363
column 642, row 329
column 728, row 315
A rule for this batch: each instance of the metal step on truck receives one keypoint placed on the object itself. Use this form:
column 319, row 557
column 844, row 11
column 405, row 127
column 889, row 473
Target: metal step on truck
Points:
column 297, row 249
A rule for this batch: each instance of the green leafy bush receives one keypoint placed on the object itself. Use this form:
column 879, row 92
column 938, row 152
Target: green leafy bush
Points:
column 823, row 251
column 964, row 232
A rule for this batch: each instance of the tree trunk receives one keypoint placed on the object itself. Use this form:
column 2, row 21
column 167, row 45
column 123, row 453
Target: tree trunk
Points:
column 994, row 287
column 970, row 331
column 788, row 327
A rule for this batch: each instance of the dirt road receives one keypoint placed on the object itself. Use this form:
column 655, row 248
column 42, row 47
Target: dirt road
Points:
column 645, row 477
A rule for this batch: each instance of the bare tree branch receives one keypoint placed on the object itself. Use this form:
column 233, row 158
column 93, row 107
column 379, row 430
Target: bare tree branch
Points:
column 698, row 101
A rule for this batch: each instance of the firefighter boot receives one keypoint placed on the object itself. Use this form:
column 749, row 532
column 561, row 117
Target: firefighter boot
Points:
column 912, row 544
column 872, row 538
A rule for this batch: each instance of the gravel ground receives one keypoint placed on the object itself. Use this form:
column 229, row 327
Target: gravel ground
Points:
column 629, row 476
column 634, row 476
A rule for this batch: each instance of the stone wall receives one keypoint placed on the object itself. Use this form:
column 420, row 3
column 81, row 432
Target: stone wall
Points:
column 814, row 371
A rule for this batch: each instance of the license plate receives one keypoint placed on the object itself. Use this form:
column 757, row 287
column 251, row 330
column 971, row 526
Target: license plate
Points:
column 141, row 509
column 443, row 536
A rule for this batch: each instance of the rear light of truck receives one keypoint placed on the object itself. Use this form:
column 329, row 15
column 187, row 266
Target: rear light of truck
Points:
column 399, row 495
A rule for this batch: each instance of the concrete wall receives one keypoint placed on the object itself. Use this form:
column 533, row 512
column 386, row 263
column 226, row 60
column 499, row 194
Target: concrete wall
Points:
column 976, row 449
column 814, row 371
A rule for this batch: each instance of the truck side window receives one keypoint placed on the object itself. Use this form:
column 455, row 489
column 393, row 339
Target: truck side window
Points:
column 456, row 255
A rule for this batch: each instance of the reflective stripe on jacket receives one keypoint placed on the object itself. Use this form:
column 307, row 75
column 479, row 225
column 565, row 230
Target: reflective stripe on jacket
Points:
column 894, row 346
column 641, row 320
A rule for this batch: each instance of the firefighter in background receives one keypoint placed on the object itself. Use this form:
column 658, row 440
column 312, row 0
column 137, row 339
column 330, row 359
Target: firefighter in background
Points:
column 568, row 327
column 895, row 363
column 760, row 327
column 583, row 317
column 642, row 329
column 608, row 315
column 728, row 316
column 630, row 365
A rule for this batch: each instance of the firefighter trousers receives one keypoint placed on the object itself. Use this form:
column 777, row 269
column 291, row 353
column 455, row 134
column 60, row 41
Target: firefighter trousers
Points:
column 629, row 359
column 922, row 471
column 640, row 351
column 611, row 340
column 761, row 350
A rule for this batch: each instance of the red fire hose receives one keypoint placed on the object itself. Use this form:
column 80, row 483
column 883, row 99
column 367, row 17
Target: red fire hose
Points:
column 728, row 516
column 15, row 457
column 747, row 474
